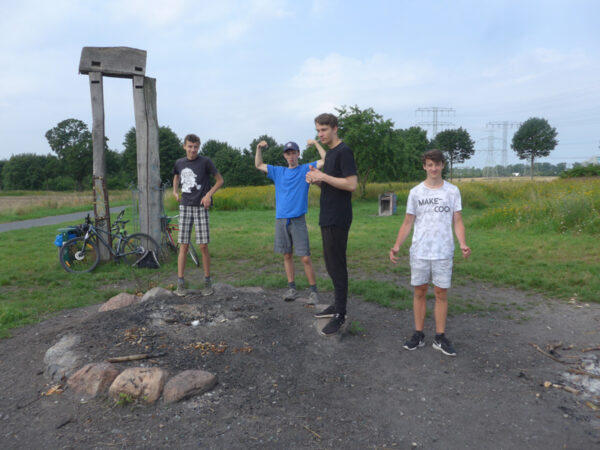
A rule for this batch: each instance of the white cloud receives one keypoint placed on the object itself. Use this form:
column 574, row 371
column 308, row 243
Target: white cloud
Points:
column 378, row 81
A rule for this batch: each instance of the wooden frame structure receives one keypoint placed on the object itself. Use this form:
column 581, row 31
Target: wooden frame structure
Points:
column 125, row 62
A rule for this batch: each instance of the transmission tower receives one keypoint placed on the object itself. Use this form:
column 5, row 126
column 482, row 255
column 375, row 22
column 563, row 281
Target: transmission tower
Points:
column 505, row 125
column 435, row 123
column 490, row 169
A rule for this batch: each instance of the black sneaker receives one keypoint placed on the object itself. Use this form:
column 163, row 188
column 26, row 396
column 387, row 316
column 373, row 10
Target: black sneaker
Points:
column 442, row 344
column 417, row 340
column 334, row 326
column 327, row 312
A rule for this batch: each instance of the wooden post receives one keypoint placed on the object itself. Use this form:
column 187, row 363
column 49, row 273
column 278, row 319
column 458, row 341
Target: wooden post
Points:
column 148, row 162
column 101, row 208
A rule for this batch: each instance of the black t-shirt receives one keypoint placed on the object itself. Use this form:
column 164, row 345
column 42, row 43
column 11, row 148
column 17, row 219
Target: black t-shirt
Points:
column 336, row 204
column 194, row 178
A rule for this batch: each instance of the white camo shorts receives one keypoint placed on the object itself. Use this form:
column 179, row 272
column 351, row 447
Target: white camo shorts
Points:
column 438, row 271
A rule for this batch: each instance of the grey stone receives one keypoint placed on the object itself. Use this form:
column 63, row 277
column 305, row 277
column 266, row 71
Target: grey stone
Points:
column 119, row 301
column 141, row 383
column 93, row 379
column 61, row 360
column 122, row 62
column 157, row 292
column 188, row 383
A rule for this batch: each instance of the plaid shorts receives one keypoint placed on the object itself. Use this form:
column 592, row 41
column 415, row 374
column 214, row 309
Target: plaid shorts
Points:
column 188, row 216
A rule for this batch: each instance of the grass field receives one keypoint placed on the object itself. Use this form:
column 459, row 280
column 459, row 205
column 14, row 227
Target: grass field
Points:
column 22, row 205
column 541, row 237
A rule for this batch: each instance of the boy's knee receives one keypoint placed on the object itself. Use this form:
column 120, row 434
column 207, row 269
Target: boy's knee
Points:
column 203, row 247
column 306, row 260
column 287, row 256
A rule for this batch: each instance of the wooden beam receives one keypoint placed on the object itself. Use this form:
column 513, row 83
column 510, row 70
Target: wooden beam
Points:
column 101, row 208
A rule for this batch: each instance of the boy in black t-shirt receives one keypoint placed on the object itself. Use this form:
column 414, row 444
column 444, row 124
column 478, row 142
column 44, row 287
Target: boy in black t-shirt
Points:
column 337, row 180
column 193, row 173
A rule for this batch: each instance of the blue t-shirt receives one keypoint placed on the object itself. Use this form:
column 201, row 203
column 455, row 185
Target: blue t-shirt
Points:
column 291, row 190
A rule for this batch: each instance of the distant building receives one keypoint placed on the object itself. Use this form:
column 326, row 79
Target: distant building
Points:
column 595, row 160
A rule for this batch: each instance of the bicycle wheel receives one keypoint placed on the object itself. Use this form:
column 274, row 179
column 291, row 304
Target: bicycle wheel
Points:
column 194, row 255
column 134, row 247
column 79, row 255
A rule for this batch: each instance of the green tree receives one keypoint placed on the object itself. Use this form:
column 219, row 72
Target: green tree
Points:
column 407, row 154
column 72, row 142
column 2, row 163
column 237, row 168
column 456, row 144
column 368, row 135
column 170, row 148
column 25, row 171
column 535, row 138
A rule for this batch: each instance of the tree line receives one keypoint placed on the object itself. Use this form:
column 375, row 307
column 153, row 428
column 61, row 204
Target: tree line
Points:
column 382, row 152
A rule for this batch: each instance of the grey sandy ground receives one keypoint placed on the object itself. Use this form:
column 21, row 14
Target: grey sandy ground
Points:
column 296, row 389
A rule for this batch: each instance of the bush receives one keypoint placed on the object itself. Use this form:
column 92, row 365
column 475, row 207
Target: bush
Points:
column 590, row 170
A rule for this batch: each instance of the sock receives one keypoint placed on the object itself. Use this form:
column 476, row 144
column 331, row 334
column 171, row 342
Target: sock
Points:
column 439, row 335
column 313, row 288
column 179, row 278
column 207, row 279
column 292, row 285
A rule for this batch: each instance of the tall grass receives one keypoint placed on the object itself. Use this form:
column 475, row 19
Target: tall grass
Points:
column 560, row 206
column 21, row 205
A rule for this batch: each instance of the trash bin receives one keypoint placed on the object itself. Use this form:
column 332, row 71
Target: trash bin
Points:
column 387, row 203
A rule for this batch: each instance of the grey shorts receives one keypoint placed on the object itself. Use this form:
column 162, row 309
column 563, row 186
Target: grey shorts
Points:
column 193, row 215
column 438, row 271
column 292, row 234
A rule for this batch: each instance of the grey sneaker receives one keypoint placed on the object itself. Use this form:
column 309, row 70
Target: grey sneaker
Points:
column 208, row 289
column 313, row 298
column 181, row 291
column 290, row 295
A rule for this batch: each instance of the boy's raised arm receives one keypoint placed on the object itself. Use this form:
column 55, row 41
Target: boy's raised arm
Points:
column 258, row 159
column 320, row 149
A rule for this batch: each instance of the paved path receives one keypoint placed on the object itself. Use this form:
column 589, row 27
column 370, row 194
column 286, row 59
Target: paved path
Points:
column 78, row 216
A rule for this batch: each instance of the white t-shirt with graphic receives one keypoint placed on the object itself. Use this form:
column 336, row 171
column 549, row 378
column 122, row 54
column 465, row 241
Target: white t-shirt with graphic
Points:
column 433, row 210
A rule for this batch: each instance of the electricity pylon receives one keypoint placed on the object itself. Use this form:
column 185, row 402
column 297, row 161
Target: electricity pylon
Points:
column 435, row 123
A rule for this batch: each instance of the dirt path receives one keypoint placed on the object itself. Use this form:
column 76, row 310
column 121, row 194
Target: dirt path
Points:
column 296, row 389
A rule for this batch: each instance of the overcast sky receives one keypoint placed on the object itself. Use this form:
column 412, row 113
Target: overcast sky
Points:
column 233, row 70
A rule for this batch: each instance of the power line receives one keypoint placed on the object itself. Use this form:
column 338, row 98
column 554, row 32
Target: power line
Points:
column 505, row 125
column 435, row 123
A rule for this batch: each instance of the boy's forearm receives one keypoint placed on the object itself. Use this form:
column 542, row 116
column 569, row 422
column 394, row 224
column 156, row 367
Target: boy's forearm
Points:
column 258, row 159
column 321, row 150
column 345, row 184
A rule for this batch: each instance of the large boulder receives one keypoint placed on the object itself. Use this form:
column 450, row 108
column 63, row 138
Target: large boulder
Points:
column 157, row 292
column 61, row 359
column 119, row 301
column 93, row 379
column 188, row 383
column 139, row 383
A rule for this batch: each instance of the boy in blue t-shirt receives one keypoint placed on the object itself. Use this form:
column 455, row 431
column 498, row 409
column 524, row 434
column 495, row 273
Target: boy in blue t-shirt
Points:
column 291, row 204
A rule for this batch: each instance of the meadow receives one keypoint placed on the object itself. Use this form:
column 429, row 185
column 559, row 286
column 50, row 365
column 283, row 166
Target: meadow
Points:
column 535, row 236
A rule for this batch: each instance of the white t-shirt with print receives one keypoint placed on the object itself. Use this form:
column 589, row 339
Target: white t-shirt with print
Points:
column 433, row 210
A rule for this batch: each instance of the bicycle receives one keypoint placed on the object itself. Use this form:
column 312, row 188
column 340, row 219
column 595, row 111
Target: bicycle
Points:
column 168, row 242
column 80, row 254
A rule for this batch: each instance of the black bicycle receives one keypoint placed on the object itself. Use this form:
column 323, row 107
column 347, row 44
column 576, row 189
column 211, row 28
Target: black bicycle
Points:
column 80, row 254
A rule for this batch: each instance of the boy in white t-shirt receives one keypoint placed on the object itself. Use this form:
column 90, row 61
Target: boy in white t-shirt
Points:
column 432, row 206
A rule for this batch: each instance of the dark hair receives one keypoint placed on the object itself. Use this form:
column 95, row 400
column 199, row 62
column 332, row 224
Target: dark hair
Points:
column 434, row 155
column 327, row 119
column 191, row 138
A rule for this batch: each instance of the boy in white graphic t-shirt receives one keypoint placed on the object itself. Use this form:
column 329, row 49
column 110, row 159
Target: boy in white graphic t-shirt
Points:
column 432, row 207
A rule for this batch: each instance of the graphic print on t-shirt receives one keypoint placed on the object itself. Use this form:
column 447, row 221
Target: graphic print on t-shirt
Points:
column 188, row 181
column 434, row 211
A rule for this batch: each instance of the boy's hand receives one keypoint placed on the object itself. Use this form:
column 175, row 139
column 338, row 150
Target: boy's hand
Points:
column 176, row 195
column 262, row 145
column 393, row 255
column 206, row 201
column 314, row 176
column 466, row 251
column 311, row 142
